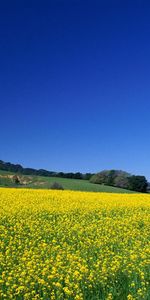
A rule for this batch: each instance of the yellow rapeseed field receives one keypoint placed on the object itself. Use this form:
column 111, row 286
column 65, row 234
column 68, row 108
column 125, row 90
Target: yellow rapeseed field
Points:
column 74, row 245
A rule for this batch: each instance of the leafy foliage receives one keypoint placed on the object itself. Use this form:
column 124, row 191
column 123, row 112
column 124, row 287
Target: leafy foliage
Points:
column 121, row 179
column 108, row 177
column 137, row 183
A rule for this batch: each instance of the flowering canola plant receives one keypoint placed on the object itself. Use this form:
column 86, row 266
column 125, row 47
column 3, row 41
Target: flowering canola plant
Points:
column 74, row 245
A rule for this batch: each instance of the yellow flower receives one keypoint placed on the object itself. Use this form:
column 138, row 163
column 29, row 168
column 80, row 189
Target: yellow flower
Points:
column 67, row 291
column 68, row 242
column 130, row 297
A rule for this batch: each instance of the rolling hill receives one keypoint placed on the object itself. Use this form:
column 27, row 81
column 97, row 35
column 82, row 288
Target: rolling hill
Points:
column 42, row 182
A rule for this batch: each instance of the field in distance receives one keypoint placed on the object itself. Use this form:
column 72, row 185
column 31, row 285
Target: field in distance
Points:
column 41, row 182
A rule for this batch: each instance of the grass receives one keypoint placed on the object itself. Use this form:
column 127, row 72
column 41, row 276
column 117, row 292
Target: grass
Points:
column 75, row 184
column 42, row 182
column 5, row 173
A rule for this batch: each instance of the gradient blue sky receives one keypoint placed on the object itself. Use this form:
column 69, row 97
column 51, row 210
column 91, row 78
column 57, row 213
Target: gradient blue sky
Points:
column 75, row 84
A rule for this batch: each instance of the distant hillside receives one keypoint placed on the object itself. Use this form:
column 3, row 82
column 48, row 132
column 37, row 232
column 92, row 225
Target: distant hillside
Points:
column 16, row 168
column 8, row 179
column 107, row 180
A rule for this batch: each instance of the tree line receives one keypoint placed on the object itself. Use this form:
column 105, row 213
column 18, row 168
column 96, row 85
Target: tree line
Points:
column 16, row 168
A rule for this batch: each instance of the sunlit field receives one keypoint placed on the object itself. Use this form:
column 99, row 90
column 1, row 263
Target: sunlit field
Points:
column 74, row 245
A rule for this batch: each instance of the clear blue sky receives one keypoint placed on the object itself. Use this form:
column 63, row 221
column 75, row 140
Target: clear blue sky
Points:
column 75, row 84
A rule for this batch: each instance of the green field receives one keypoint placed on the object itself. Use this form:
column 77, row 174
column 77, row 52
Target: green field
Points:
column 77, row 184
column 68, row 184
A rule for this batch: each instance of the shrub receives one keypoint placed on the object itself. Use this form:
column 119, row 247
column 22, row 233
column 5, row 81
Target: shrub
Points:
column 56, row 186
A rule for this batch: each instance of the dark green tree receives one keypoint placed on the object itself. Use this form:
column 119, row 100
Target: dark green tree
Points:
column 137, row 183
